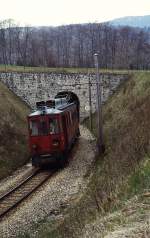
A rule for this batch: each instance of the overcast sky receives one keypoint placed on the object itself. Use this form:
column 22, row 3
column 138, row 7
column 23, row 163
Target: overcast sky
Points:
column 58, row 12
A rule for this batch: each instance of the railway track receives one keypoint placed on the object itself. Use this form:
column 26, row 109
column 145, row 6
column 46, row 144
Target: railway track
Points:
column 19, row 193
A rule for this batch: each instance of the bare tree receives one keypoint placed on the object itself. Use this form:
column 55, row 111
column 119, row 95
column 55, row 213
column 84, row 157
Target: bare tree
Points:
column 74, row 46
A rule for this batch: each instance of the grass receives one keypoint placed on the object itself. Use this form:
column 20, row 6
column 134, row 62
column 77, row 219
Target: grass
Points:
column 123, row 171
column 41, row 69
column 139, row 181
column 13, row 131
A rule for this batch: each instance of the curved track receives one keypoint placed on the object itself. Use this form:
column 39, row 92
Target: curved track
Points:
column 12, row 198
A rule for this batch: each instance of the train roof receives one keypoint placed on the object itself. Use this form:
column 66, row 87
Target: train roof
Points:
column 46, row 111
column 50, row 111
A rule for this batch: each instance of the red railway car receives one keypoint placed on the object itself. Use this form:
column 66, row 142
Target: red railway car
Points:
column 53, row 129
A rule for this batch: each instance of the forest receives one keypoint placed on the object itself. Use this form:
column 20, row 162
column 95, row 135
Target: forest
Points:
column 74, row 46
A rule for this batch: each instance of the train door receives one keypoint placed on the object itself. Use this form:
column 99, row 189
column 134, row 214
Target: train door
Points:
column 65, row 131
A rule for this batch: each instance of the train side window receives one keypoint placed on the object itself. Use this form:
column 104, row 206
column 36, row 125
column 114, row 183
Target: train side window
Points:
column 70, row 116
column 34, row 128
column 43, row 131
column 68, row 121
column 74, row 115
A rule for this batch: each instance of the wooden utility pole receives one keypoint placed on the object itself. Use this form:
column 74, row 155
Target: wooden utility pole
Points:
column 100, row 144
column 90, row 104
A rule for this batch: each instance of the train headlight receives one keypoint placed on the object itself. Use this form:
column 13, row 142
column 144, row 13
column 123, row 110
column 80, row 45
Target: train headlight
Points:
column 55, row 143
column 34, row 146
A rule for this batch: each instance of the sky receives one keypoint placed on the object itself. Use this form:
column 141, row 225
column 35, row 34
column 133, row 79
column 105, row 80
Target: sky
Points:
column 60, row 12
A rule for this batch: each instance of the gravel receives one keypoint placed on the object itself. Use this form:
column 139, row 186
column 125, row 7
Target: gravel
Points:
column 15, row 178
column 59, row 192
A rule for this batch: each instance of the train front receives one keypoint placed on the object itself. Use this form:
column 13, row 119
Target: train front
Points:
column 46, row 139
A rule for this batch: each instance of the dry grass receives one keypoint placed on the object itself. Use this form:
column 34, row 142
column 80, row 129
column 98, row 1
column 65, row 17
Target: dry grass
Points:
column 41, row 69
column 13, row 131
column 127, row 140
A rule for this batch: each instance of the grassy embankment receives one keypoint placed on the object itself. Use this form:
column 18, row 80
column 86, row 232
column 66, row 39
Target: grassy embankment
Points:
column 123, row 172
column 13, row 131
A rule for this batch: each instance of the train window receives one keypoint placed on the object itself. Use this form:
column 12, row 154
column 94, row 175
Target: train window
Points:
column 73, row 116
column 53, row 126
column 43, row 130
column 69, row 120
column 33, row 128
column 70, row 114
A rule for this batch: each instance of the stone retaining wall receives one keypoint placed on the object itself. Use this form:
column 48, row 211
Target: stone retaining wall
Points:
column 32, row 87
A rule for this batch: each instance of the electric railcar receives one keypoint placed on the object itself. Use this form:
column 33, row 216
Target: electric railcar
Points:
column 53, row 129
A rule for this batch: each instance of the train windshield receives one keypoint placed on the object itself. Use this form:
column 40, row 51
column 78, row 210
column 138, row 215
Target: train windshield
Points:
column 53, row 126
column 34, row 128
column 38, row 127
column 44, row 127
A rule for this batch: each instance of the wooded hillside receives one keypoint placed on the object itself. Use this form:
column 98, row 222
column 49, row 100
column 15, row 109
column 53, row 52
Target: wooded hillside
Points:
column 74, row 46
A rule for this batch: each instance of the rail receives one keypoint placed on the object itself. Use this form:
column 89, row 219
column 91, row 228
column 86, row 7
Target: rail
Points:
column 20, row 192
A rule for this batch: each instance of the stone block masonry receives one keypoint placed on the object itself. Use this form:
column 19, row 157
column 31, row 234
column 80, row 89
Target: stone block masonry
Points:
column 32, row 87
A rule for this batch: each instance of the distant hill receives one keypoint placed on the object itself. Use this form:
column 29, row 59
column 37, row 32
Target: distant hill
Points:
column 134, row 21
